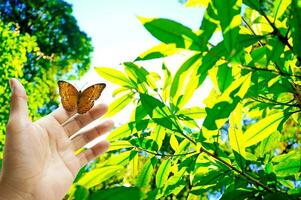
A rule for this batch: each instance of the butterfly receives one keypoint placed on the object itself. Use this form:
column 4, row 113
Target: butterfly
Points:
column 79, row 101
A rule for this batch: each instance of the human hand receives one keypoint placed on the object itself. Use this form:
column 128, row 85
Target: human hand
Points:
column 39, row 157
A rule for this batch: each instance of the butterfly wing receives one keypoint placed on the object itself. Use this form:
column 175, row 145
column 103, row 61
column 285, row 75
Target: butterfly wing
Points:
column 69, row 96
column 88, row 96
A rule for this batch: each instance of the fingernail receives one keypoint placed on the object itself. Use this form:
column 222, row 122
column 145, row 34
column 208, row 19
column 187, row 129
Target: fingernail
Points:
column 11, row 84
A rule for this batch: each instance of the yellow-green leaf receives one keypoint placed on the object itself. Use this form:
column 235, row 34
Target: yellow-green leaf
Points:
column 162, row 173
column 262, row 129
column 119, row 145
column 236, row 136
column 113, row 75
column 119, row 104
column 99, row 175
column 174, row 142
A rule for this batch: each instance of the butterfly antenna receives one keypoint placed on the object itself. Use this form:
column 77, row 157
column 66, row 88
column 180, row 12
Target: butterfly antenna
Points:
column 81, row 89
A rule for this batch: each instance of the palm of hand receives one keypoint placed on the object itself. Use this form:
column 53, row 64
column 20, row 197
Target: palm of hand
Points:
column 39, row 157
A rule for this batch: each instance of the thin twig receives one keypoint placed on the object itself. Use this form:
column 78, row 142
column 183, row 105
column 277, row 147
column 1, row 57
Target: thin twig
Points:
column 277, row 32
column 250, row 28
column 279, row 103
column 166, row 155
column 272, row 71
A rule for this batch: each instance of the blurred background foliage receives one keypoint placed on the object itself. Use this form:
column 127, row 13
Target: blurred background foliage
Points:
column 242, row 142
column 40, row 43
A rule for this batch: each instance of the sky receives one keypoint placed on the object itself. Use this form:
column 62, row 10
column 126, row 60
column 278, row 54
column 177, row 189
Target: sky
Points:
column 118, row 36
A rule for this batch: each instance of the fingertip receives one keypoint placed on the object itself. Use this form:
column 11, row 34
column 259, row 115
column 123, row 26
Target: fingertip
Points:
column 18, row 102
column 11, row 84
column 17, row 87
column 101, row 147
column 109, row 123
column 104, row 107
column 105, row 144
column 99, row 110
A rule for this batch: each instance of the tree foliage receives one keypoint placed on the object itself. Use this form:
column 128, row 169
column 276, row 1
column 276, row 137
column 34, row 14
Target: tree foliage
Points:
column 60, row 40
column 243, row 143
column 40, row 42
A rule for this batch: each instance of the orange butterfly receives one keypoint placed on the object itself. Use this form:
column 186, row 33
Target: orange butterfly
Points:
column 81, row 102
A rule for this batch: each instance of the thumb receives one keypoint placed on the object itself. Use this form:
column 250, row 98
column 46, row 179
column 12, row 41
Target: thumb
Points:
column 18, row 109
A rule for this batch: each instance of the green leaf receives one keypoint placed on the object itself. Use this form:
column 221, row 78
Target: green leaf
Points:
column 174, row 182
column 158, row 134
column 230, row 21
column 171, row 32
column 119, row 145
column 246, row 40
column 209, row 60
column 210, row 178
column 167, row 82
column 119, row 104
column 117, row 193
column 218, row 110
column 209, row 25
column 240, row 160
column 236, row 136
column 288, row 167
column 163, row 173
column 114, row 76
column 274, row 52
column 174, row 142
column 262, row 129
column 140, row 75
column 287, row 156
column 140, row 116
column 159, row 51
column 224, row 77
column 121, row 159
column 280, row 7
column 121, row 132
column 269, row 143
column 119, row 91
column 183, row 81
column 146, row 173
column 144, row 143
column 238, row 193
column 182, row 147
column 296, row 26
column 255, row 4
column 159, row 112
column 81, row 193
column 192, row 112
column 99, row 175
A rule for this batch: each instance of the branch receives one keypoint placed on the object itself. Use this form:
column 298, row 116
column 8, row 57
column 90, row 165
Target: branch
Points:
column 247, row 176
column 280, row 103
column 281, row 73
column 282, row 38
